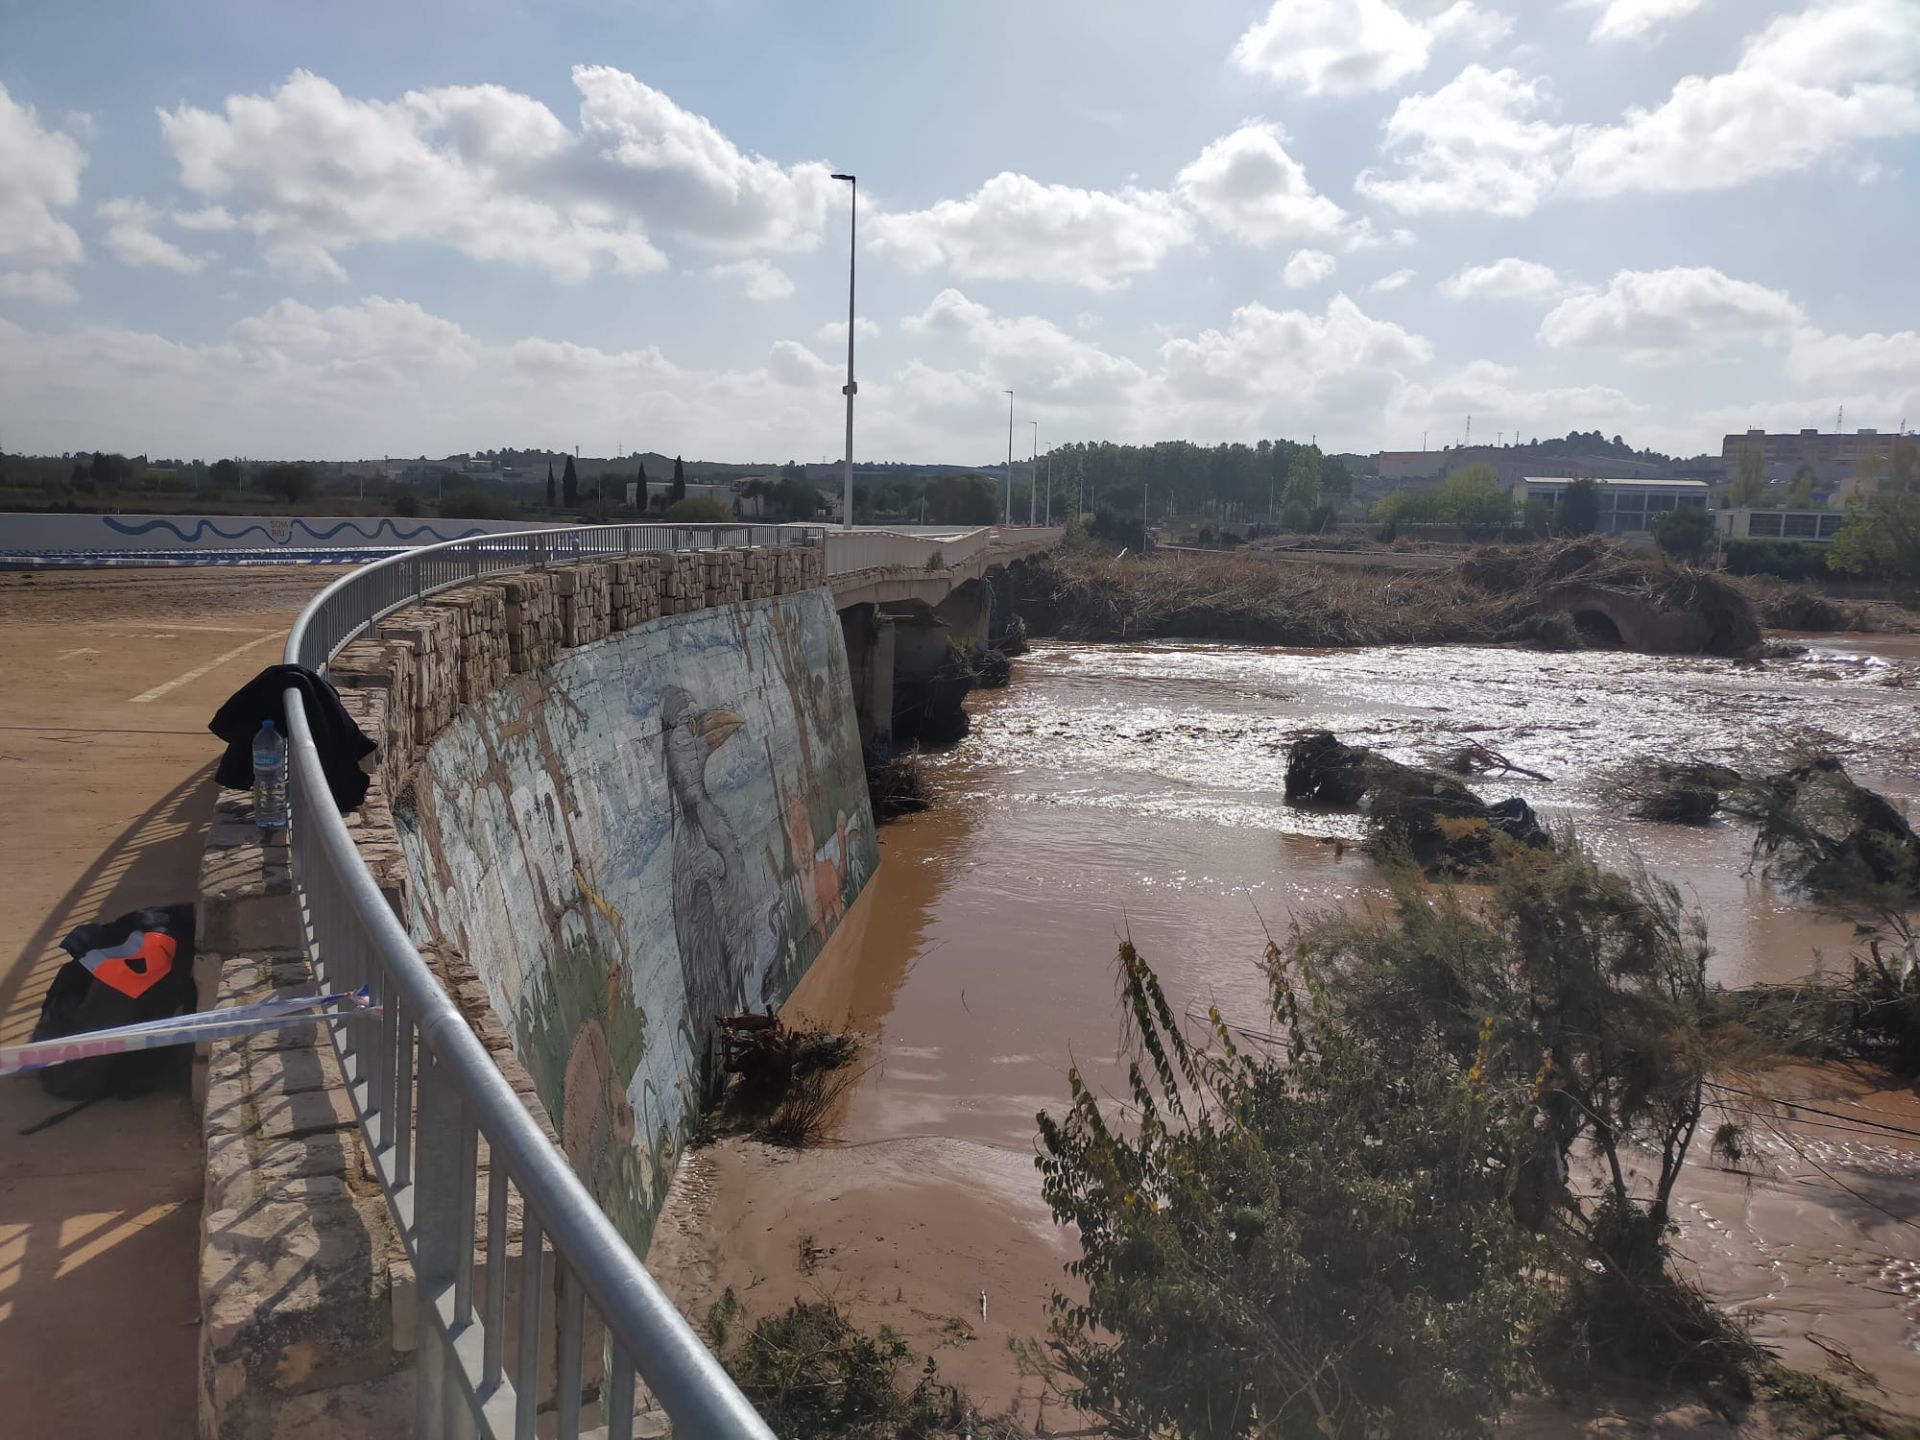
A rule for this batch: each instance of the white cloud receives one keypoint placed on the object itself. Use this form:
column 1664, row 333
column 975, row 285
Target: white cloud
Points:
column 210, row 217
column 834, row 332
column 1037, row 357
column 1638, row 19
column 1306, row 268
column 39, row 174
column 1470, row 25
column 43, row 287
column 1498, row 400
column 1016, row 228
column 1338, row 361
column 1507, row 279
column 759, row 279
column 1476, row 144
column 385, row 375
column 677, row 172
column 1809, row 87
column 1247, row 186
column 1856, row 360
column 1353, row 47
column 488, row 172
column 1387, row 284
column 131, row 238
column 1666, row 316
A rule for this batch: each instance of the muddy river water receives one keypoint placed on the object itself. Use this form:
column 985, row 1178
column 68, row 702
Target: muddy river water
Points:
column 1137, row 790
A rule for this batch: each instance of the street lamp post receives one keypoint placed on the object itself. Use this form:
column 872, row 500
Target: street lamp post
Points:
column 1033, row 477
column 853, row 220
column 1009, row 519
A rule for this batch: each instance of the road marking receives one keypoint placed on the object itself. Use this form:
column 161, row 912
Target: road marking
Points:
column 69, row 654
column 192, row 675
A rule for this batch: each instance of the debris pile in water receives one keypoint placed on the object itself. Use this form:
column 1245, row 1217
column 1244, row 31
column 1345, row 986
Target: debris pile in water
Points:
column 1427, row 815
column 1822, row 832
column 1679, row 792
column 785, row 1081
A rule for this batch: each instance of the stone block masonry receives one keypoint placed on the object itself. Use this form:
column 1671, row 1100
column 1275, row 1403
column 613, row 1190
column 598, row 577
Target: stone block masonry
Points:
column 307, row 1301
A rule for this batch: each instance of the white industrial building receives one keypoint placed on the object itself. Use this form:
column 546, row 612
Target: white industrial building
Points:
column 1813, row 525
column 1627, row 507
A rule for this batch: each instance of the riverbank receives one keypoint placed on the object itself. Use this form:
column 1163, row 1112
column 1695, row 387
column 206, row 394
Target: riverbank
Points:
column 1538, row 595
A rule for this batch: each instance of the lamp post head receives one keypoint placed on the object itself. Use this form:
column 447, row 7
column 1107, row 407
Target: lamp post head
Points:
column 848, row 178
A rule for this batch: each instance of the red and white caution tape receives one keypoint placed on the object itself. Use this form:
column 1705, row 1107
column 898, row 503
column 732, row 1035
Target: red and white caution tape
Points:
column 183, row 1030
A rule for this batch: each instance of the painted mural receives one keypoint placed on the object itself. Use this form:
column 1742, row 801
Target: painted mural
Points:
column 657, row 830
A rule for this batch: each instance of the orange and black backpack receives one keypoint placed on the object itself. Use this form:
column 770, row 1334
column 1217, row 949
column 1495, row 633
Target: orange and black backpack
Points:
column 125, row 971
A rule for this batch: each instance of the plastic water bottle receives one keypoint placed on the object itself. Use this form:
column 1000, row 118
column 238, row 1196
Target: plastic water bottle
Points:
column 269, row 778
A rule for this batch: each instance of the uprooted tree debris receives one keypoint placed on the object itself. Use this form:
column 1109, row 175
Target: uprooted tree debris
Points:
column 1427, row 815
column 896, row 785
column 1678, row 792
column 1822, row 832
column 783, row 1082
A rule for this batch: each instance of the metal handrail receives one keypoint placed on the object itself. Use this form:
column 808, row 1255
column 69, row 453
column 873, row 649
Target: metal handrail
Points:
column 427, row 1093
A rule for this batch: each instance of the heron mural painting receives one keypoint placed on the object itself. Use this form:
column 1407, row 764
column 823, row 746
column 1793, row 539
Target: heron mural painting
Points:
column 654, row 831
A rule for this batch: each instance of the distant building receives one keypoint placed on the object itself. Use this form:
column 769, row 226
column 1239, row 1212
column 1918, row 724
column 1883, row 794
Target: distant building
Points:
column 1510, row 463
column 1628, row 506
column 1831, row 458
column 1817, row 526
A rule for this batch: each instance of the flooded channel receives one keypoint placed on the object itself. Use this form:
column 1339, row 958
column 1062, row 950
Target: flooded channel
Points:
column 1116, row 790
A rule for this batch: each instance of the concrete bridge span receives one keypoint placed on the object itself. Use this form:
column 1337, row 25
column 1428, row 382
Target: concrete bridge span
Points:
column 904, row 598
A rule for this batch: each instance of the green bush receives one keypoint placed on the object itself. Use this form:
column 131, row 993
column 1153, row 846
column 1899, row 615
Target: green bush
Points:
column 1787, row 559
column 699, row 510
column 1685, row 533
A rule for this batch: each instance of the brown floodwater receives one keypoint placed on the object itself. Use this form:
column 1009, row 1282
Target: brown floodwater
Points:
column 1137, row 790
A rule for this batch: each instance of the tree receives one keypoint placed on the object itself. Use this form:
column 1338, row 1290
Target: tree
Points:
column 1301, row 497
column 1749, row 477
column 1686, row 533
column 551, row 497
column 962, row 500
column 1589, row 987
column 1800, row 492
column 225, row 475
column 570, row 485
column 1472, row 499
column 1881, row 535
column 1579, row 509
column 1308, row 1239
column 109, row 469
column 699, row 510
column 679, row 490
column 291, row 482
column 1408, row 506
column 640, row 487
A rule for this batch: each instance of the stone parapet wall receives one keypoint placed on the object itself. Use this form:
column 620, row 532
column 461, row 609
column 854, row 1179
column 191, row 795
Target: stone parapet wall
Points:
column 307, row 1307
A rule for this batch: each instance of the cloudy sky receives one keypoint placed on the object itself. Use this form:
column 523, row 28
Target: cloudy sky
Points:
column 360, row 229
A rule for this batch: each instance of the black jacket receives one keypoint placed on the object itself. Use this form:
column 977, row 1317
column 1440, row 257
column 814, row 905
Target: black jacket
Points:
column 340, row 742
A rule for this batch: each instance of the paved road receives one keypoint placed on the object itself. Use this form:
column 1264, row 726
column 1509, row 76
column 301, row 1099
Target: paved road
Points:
column 106, row 766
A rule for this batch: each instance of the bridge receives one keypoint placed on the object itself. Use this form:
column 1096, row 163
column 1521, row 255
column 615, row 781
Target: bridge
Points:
column 905, row 599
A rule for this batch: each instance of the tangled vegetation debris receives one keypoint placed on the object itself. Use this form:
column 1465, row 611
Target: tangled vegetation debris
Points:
column 1822, row 833
column 1514, row 594
column 1678, row 792
column 1427, row 816
column 784, row 1083
column 897, row 785
column 810, row 1371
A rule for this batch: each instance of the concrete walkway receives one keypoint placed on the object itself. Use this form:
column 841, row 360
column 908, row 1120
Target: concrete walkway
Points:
column 106, row 766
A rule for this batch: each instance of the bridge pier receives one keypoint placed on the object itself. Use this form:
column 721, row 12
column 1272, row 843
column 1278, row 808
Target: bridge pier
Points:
column 967, row 613
column 871, row 656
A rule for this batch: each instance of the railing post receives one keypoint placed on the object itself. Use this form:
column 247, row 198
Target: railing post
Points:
column 436, row 1189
